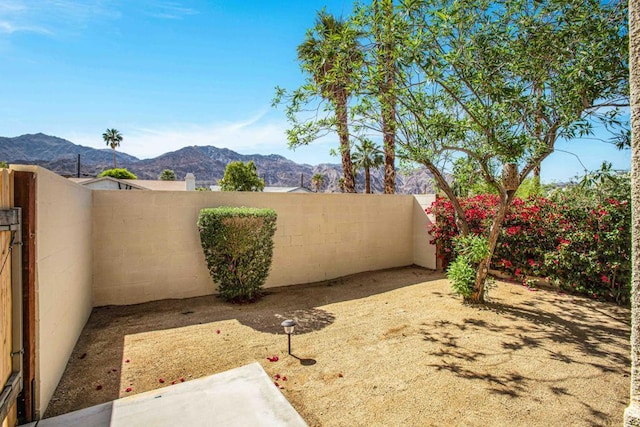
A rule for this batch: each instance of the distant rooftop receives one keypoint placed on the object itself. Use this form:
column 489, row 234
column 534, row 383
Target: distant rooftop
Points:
column 273, row 189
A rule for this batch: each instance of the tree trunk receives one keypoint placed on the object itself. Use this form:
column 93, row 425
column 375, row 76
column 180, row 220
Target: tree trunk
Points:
column 478, row 296
column 387, row 97
column 461, row 220
column 536, row 178
column 114, row 158
column 345, row 148
column 367, row 180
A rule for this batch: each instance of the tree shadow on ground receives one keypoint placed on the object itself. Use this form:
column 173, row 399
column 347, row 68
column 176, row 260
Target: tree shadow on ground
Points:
column 570, row 332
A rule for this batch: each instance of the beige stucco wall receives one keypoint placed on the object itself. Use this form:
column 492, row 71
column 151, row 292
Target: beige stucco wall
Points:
column 63, row 275
column 424, row 253
column 147, row 246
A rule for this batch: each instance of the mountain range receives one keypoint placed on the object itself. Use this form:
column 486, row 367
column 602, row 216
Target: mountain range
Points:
column 207, row 163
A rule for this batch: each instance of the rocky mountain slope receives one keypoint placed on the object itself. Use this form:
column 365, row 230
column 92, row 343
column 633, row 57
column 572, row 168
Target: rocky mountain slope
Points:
column 207, row 163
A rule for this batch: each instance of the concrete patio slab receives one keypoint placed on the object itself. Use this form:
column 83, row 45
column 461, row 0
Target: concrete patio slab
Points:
column 244, row 396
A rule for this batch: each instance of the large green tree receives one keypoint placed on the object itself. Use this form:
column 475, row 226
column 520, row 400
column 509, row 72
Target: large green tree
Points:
column 501, row 82
column 367, row 155
column 240, row 176
column 330, row 57
column 113, row 138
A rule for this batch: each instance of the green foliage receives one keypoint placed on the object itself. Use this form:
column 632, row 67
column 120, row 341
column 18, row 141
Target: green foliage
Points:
column 330, row 57
column 239, row 176
column 203, row 189
column 579, row 237
column 238, row 247
column 113, row 138
column 462, row 276
column 167, row 175
column 118, row 173
column 471, row 249
column 367, row 155
column 4, row 165
column 317, row 180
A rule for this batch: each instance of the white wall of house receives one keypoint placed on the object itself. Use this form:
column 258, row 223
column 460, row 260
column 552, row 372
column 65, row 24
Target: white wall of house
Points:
column 147, row 246
column 64, row 241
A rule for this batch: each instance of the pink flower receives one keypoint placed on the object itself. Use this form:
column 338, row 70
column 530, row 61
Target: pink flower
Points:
column 277, row 376
column 273, row 359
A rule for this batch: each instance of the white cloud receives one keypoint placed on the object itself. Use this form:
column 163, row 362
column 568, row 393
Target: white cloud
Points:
column 49, row 17
column 169, row 10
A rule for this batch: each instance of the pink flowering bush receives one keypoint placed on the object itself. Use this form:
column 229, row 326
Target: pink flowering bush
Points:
column 578, row 240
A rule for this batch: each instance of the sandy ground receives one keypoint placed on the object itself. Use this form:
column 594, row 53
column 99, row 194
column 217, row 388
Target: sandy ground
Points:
column 383, row 348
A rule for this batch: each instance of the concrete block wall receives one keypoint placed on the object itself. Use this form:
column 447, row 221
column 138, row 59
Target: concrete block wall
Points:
column 147, row 246
column 64, row 277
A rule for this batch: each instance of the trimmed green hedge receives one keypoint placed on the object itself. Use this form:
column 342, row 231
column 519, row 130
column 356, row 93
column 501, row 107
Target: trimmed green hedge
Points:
column 238, row 247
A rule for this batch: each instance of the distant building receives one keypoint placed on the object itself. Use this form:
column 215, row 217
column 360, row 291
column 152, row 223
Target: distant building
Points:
column 110, row 183
column 273, row 189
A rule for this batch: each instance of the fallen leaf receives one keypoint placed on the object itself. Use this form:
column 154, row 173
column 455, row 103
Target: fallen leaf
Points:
column 276, row 376
column 340, row 375
column 82, row 356
column 181, row 380
column 284, row 378
column 127, row 361
column 128, row 389
column 98, row 387
column 161, row 381
column 218, row 331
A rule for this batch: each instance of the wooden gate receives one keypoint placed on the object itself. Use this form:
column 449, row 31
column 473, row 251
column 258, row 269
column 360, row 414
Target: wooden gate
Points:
column 10, row 297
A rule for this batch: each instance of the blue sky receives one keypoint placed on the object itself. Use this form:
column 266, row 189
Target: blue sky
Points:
column 169, row 74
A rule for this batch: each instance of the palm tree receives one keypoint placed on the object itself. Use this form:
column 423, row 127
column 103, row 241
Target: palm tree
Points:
column 113, row 138
column 367, row 155
column 332, row 59
column 317, row 181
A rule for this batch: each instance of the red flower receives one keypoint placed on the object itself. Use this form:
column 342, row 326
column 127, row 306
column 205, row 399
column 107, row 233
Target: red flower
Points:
column 276, row 376
column 284, row 378
column 605, row 279
column 218, row 331
column 181, row 379
column 273, row 359
column 127, row 361
column 128, row 389
column 161, row 381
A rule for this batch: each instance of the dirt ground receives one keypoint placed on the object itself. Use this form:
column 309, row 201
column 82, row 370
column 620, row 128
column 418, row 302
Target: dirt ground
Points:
column 383, row 348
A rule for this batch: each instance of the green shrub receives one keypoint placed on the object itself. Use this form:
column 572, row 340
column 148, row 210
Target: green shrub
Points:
column 118, row 173
column 462, row 276
column 461, row 272
column 578, row 237
column 238, row 247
